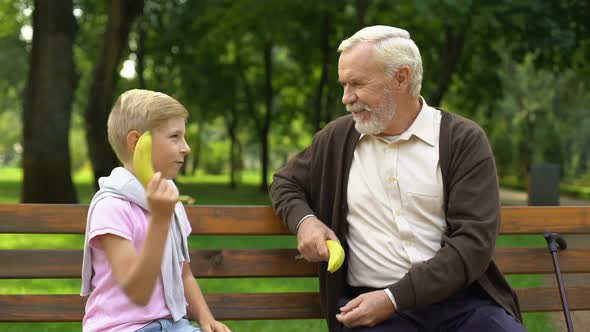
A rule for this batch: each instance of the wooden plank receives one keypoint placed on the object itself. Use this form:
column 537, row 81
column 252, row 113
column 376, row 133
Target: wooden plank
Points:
column 213, row 263
column 70, row 308
column 205, row 263
column 43, row 218
column 265, row 306
column 250, row 263
column 205, row 220
column 24, row 264
column 547, row 299
column 260, row 220
column 538, row 260
column 535, row 220
column 235, row 220
column 41, row 308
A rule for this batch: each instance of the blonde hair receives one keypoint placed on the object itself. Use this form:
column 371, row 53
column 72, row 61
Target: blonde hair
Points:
column 139, row 110
column 394, row 48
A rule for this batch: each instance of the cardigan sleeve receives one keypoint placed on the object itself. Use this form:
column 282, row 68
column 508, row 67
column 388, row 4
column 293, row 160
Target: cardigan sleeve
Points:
column 290, row 189
column 473, row 219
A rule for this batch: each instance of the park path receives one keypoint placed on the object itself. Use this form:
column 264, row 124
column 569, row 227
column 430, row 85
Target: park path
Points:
column 580, row 319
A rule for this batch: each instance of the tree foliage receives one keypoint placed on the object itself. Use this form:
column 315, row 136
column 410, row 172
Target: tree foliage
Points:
column 259, row 77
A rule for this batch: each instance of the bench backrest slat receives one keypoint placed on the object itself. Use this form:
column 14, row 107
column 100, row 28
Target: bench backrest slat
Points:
column 252, row 263
column 260, row 220
column 535, row 220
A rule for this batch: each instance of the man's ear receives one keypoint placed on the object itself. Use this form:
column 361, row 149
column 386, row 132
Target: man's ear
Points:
column 132, row 138
column 402, row 78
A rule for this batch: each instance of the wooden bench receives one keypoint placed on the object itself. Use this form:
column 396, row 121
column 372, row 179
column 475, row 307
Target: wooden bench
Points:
column 249, row 263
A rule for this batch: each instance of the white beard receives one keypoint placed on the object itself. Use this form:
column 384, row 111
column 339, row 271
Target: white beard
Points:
column 378, row 118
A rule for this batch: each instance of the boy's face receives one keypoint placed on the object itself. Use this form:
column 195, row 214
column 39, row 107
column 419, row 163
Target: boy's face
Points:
column 169, row 147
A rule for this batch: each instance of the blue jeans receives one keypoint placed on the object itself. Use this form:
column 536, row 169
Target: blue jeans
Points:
column 167, row 325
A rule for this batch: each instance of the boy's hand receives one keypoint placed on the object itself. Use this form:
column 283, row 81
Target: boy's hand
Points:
column 161, row 198
column 214, row 326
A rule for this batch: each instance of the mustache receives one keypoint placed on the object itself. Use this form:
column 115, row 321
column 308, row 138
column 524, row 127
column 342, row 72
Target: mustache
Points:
column 358, row 107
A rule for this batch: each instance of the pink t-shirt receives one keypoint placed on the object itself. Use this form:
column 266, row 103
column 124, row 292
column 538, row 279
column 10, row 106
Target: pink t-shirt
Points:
column 108, row 308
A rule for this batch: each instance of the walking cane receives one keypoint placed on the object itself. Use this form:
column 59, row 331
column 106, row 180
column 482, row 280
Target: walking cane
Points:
column 555, row 242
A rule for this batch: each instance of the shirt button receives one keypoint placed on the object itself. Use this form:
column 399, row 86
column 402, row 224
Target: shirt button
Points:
column 397, row 213
column 392, row 179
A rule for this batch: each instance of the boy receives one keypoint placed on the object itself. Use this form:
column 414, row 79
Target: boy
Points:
column 136, row 262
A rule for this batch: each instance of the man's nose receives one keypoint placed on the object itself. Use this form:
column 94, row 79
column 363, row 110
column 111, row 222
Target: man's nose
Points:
column 348, row 96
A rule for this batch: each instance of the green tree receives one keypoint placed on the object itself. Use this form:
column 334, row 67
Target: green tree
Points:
column 120, row 17
column 51, row 83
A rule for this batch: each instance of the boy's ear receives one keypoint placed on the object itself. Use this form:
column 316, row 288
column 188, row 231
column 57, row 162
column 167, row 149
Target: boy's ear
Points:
column 132, row 138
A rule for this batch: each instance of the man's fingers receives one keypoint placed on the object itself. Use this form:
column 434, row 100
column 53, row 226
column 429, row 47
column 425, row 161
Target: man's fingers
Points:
column 352, row 304
column 348, row 315
column 330, row 235
column 311, row 239
column 350, row 318
column 309, row 252
column 322, row 250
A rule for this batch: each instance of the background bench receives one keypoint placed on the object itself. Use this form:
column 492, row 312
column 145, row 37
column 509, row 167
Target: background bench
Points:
column 276, row 263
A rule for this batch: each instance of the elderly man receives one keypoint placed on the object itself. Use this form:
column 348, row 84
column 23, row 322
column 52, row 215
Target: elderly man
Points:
column 411, row 193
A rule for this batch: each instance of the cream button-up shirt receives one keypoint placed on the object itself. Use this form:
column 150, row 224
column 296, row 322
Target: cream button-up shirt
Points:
column 395, row 203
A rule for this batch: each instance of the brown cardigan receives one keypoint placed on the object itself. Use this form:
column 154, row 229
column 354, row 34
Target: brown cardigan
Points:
column 315, row 182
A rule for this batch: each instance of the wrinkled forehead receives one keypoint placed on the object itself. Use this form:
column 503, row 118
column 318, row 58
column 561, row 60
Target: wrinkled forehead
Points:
column 358, row 59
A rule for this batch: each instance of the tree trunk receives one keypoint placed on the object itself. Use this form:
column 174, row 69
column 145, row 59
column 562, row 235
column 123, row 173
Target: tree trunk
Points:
column 231, row 129
column 322, row 84
column 121, row 14
column 451, row 54
column 47, row 106
column 333, row 107
column 361, row 12
column 264, row 140
column 231, row 121
column 140, row 52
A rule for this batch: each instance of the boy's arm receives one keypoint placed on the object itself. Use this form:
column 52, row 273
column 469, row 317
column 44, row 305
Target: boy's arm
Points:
column 136, row 272
column 197, row 307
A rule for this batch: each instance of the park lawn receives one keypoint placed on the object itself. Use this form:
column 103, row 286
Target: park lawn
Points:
column 206, row 189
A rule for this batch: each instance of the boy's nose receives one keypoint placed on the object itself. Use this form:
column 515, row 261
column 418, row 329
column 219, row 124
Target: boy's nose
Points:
column 186, row 149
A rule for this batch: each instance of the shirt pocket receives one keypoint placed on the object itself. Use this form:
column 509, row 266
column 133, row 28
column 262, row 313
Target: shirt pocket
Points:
column 424, row 204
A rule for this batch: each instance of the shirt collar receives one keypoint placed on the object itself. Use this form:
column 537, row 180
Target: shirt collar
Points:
column 423, row 126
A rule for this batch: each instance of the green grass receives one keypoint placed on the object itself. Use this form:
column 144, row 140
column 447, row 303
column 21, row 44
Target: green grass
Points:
column 207, row 189
column 533, row 321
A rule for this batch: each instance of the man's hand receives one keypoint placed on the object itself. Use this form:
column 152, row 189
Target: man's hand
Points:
column 311, row 240
column 367, row 309
column 161, row 197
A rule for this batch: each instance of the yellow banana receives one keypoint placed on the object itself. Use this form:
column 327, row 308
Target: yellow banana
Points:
column 142, row 159
column 336, row 255
column 143, row 167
